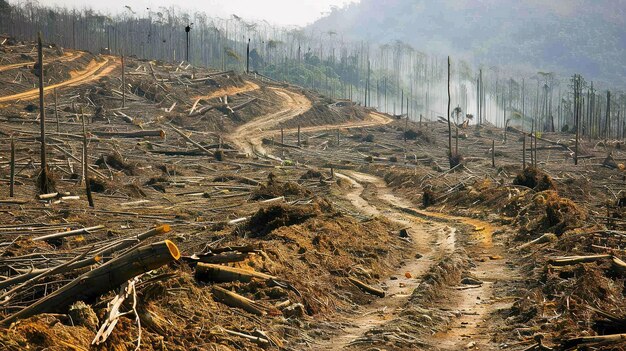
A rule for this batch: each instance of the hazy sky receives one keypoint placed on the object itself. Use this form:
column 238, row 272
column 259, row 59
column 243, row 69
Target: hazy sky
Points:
column 284, row 12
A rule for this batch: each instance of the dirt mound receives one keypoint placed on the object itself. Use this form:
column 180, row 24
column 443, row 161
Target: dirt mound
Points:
column 265, row 220
column 419, row 135
column 115, row 161
column 535, row 179
column 549, row 213
column 561, row 213
column 275, row 189
column 311, row 174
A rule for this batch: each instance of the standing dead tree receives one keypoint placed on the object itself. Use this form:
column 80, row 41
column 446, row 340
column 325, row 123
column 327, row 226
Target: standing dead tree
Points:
column 44, row 180
column 449, row 125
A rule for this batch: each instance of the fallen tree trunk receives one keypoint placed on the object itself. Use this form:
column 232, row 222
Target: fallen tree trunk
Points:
column 545, row 238
column 232, row 299
column 194, row 143
column 366, row 288
column 217, row 273
column 226, row 257
column 586, row 340
column 128, row 242
column 35, row 272
column 136, row 134
column 556, row 143
column 267, row 141
column 102, row 279
column 68, row 233
column 257, row 339
column 565, row 261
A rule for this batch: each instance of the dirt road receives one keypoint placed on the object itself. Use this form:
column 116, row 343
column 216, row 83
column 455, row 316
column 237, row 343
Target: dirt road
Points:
column 94, row 71
column 67, row 57
column 248, row 86
column 248, row 136
column 433, row 236
column 429, row 241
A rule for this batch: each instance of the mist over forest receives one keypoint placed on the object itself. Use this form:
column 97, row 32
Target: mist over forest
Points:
column 513, row 63
column 565, row 36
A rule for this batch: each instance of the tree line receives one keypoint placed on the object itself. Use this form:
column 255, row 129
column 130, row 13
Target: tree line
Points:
column 393, row 77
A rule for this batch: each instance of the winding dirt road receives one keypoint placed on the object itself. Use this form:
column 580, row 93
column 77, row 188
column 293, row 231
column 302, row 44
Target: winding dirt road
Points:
column 248, row 136
column 430, row 240
column 67, row 57
column 473, row 303
column 94, row 71
column 433, row 236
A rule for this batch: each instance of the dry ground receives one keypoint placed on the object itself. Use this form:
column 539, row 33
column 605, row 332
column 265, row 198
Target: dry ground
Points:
column 312, row 213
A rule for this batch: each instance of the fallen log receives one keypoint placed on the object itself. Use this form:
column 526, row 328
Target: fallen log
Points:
column 68, row 233
column 367, row 288
column 58, row 270
column 244, row 248
column 267, row 141
column 196, row 144
column 233, row 299
column 136, row 134
column 217, row 273
column 13, row 202
column 244, row 104
column 545, row 238
column 257, row 339
column 179, row 152
column 102, row 279
column 227, row 257
column 586, row 340
column 133, row 240
column 555, row 143
column 570, row 260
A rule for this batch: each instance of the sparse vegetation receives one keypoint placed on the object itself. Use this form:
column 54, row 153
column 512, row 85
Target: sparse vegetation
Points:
column 230, row 211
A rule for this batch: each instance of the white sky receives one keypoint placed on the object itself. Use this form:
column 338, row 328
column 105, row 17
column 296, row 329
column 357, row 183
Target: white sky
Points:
column 283, row 12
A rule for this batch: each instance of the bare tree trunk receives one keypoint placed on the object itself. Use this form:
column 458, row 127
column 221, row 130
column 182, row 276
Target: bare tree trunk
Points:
column 449, row 125
column 86, row 164
column 12, row 176
column 56, row 109
column 576, row 115
column 42, row 111
column 523, row 150
column 607, row 128
column 123, row 84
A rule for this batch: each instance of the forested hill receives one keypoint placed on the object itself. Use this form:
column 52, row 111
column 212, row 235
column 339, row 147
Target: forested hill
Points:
column 564, row 36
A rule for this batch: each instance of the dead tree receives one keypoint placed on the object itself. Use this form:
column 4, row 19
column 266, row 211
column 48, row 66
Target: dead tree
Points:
column 123, row 84
column 12, row 176
column 44, row 180
column 86, row 164
column 449, row 125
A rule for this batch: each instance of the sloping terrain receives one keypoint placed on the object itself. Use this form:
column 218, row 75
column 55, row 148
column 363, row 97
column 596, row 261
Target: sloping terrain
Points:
column 346, row 226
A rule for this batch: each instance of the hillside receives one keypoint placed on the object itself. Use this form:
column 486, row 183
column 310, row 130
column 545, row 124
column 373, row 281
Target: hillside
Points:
column 582, row 36
column 194, row 208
